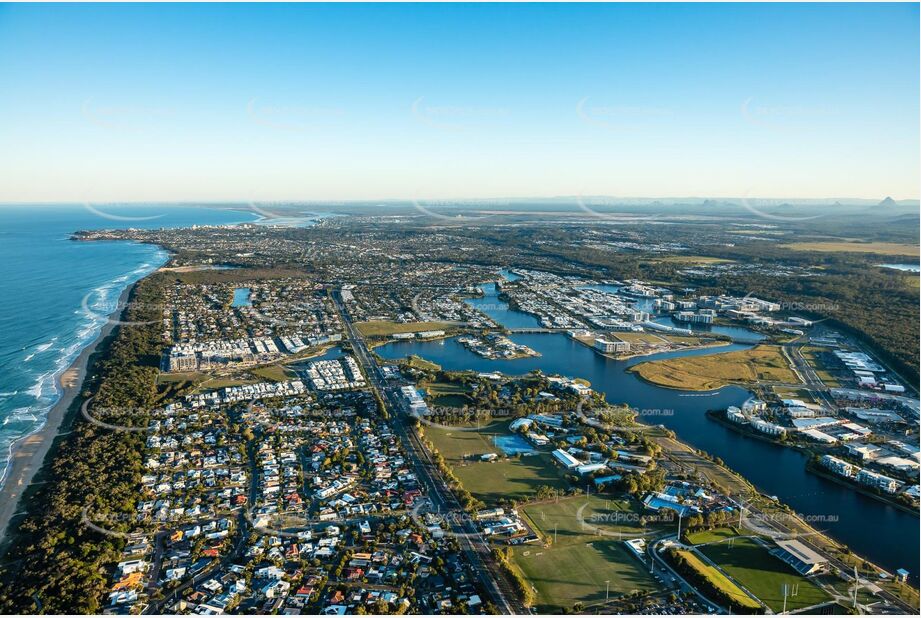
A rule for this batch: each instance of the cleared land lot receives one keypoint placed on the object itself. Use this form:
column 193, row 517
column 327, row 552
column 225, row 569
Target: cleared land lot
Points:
column 883, row 248
column 813, row 356
column 763, row 363
column 516, row 478
column 752, row 565
column 384, row 328
column 575, row 567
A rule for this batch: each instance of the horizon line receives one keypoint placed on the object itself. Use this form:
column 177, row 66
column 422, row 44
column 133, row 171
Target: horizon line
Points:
column 443, row 201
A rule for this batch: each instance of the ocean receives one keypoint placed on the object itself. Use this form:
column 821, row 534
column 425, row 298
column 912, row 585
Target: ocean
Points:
column 57, row 294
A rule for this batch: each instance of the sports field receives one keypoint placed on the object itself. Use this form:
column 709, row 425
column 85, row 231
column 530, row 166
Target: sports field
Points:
column 454, row 443
column 595, row 515
column 515, row 478
column 752, row 565
column 718, row 580
column 586, row 552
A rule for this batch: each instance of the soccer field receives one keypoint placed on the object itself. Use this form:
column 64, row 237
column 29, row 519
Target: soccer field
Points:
column 586, row 550
column 575, row 571
column 752, row 566
column 615, row 518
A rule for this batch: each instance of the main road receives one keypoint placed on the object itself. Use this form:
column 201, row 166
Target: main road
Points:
column 443, row 500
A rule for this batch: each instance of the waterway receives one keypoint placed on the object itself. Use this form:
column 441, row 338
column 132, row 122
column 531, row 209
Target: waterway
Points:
column 882, row 533
column 737, row 333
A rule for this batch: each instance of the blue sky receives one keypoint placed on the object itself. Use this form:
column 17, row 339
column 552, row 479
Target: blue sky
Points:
column 332, row 102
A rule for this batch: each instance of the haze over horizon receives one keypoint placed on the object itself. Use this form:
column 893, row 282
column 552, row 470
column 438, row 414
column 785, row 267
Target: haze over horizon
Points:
column 212, row 103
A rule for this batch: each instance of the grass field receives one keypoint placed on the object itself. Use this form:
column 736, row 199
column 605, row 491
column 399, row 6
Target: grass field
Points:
column 516, row 478
column 712, row 536
column 720, row 581
column 752, row 565
column 454, row 443
column 883, row 248
column 202, row 382
column 384, row 328
column 443, row 392
column 189, row 376
column 575, row 567
column 274, row 373
column 576, row 573
column 593, row 515
column 448, row 394
column 794, row 393
column 763, row 363
column 640, row 337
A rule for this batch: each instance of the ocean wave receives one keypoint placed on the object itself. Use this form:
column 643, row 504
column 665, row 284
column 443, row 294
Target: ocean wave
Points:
column 22, row 422
column 42, row 347
column 25, row 413
column 87, row 332
column 37, row 390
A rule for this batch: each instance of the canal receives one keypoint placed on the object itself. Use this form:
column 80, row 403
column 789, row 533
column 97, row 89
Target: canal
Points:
column 884, row 534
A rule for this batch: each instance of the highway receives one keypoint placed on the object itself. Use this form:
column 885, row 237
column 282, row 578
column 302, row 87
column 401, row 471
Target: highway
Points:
column 472, row 543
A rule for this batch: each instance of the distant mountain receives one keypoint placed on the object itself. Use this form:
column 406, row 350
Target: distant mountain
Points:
column 888, row 203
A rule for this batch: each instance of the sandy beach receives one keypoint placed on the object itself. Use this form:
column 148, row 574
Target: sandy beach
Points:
column 28, row 454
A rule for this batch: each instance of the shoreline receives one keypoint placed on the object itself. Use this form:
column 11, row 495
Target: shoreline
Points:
column 28, row 454
column 817, row 470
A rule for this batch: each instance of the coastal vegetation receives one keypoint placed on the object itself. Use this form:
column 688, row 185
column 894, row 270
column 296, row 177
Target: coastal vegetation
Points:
column 56, row 564
column 763, row 363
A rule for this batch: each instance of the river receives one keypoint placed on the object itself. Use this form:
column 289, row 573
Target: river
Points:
column 884, row 534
